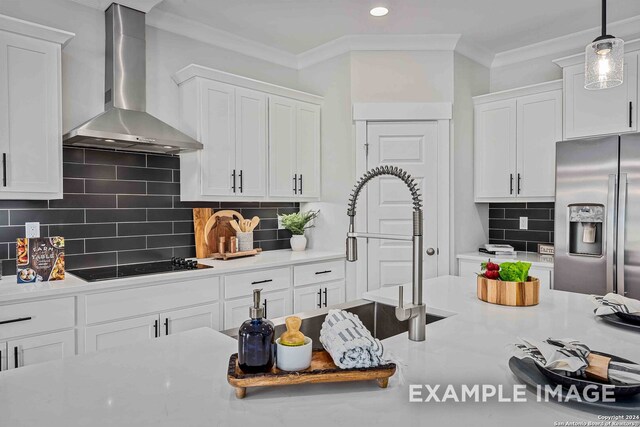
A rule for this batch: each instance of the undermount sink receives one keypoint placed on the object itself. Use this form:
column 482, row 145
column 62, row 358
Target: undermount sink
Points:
column 380, row 319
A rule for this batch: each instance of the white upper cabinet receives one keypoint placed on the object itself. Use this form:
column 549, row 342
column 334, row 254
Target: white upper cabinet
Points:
column 539, row 127
column 261, row 141
column 294, row 149
column 495, row 148
column 30, row 110
column 598, row 112
column 515, row 137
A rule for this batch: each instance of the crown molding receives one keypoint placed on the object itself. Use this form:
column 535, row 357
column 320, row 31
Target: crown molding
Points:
column 37, row 31
column 475, row 52
column 373, row 42
column 568, row 43
column 517, row 92
column 141, row 5
column 205, row 33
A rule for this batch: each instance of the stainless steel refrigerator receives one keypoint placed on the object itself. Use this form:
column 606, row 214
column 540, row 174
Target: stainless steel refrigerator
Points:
column 597, row 215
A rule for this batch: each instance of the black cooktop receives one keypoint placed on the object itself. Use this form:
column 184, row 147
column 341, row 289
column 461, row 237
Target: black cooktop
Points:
column 109, row 273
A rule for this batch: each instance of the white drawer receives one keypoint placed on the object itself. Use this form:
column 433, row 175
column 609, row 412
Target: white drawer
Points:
column 151, row 299
column 317, row 273
column 36, row 317
column 242, row 285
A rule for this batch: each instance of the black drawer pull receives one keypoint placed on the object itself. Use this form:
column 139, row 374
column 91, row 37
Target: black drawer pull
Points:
column 19, row 319
column 265, row 309
column 630, row 114
column 0, row 360
column 257, row 282
column 4, row 169
column 319, row 298
column 323, row 272
column 295, row 184
column 300, row 179
column 15, row 357
column 166, row 326
column 156, row 327
column 325, row 296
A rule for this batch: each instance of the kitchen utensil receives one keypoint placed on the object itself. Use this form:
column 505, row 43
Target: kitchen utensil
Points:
column 525, row 370
column 200, row 218
column 292, row 336
column 294, row 358
column 245, row 241
column 321, row 370
column 254, row 223
column 509, row 293
column 235, row 225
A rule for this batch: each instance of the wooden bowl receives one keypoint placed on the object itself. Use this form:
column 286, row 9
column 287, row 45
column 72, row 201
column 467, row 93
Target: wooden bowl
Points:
column 518, row 294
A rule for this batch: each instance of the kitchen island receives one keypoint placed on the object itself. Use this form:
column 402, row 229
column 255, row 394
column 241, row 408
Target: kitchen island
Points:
column 180, row 380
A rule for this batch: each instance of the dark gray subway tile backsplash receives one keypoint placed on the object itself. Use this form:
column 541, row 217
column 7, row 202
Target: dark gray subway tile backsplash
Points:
column 504, row 224
column 123, row 208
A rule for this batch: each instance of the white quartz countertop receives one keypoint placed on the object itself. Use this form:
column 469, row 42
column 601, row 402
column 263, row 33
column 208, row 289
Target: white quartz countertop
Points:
column 180, row 380
column 11, row 291
column 536, row 259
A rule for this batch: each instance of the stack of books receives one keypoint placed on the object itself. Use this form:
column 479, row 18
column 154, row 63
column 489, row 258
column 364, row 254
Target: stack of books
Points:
column 497, row 249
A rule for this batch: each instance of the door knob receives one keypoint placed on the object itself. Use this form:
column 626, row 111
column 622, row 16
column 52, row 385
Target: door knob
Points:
column 431, row 251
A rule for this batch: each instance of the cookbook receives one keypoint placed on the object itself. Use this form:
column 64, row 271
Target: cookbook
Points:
column 40, row 259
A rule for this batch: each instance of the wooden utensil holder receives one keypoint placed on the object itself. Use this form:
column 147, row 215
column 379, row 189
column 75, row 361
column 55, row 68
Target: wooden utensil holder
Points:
column 517, row 294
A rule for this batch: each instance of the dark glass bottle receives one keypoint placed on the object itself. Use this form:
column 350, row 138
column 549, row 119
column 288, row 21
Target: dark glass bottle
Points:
column 256, row 340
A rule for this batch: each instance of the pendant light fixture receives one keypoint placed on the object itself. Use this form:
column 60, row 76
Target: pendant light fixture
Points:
column 604, row 59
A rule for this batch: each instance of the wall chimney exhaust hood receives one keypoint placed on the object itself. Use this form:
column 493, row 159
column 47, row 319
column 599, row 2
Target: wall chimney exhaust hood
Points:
column 125, row 125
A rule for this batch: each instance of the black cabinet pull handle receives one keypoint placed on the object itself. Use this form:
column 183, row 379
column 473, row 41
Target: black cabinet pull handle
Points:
column 325, row 296
column 19, row 319
column 166, row 326
column 241, row 181
column 15, row 357
column 265, row 308
column 4, row 169
column 295, row 183
column 319, row 298
column 257, row 282
column 155, row 329
column 510, row 183
column 300, row 179
column 518, row 183
column 0, row 360
column 323, row 272
column 630, row 114
column 233, row 186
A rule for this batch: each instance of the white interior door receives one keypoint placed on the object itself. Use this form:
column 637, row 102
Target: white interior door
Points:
column 412, row 146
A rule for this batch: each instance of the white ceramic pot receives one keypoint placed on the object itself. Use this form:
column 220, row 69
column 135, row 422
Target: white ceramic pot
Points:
column 298, row 242
column 294, row 358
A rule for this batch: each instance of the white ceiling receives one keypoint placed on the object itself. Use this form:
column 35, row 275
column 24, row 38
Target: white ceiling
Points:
column 295, row 26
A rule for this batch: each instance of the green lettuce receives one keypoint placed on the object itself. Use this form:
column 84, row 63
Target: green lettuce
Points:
column 514, row 271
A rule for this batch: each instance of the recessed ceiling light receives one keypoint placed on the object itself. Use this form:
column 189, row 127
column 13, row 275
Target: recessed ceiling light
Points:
column 379, row 11
column 109, row 140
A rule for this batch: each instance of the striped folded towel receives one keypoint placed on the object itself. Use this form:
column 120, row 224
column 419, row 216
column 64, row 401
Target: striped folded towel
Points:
column 349, row 343
column 612, row 303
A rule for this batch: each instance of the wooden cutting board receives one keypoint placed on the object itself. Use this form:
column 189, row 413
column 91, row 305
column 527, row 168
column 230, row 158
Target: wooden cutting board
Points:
column 200, row 218
column 218, row 226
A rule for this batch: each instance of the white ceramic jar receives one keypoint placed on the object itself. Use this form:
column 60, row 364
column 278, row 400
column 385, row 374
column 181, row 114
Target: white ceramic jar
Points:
column 294, row 358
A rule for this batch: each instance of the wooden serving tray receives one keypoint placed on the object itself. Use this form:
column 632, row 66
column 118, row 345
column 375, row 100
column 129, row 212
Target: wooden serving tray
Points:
column 322, row 370
column 519, row 294
column 228, row 255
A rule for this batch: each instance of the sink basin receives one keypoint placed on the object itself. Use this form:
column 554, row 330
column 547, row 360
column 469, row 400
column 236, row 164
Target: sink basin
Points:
column 380, row 319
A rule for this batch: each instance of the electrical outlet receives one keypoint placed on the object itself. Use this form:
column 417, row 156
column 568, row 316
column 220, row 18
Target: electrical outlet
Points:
column 32, row 229
column 524, row 223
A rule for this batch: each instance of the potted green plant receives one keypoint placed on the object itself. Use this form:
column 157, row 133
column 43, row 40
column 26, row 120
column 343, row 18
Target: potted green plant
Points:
column 297, row 223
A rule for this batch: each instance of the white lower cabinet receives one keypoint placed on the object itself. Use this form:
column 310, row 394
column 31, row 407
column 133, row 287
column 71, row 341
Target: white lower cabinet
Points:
column 205, row 316
column 276, row 303
column 114, row 334
column 318, row 296
column 41, row 348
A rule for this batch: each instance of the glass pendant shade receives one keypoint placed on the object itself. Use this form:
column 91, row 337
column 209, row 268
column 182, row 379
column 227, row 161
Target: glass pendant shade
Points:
column 604, row 63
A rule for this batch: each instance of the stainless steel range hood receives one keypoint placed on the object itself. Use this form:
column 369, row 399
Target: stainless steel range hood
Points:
column 125, row 124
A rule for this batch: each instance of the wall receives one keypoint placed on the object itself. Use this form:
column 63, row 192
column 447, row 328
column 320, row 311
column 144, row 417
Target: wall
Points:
column 504, row 224
column 83, row 60
column 404, row 76
column 525, row 73
column 124, row 208
column 470, row 220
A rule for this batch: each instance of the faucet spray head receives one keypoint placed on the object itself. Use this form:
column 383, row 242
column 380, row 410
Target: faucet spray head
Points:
column 352, row 249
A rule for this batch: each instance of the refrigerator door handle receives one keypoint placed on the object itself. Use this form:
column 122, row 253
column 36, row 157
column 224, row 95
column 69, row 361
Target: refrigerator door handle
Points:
column 610, row 238
column 622, row 214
